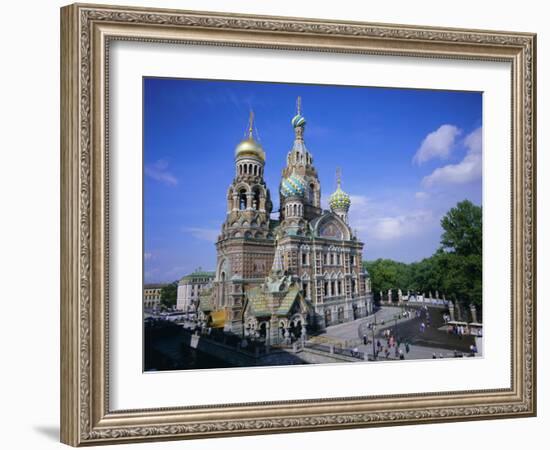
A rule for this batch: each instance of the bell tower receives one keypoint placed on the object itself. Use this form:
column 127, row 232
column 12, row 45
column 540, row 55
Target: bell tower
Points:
column 245, row 246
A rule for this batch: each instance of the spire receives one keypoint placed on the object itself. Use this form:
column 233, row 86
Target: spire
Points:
column 277, row 267
column 250, row 124
column 299, row 106
column 338, row 177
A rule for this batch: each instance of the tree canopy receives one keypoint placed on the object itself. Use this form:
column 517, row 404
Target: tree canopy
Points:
column 169, row 295
column 462, row 232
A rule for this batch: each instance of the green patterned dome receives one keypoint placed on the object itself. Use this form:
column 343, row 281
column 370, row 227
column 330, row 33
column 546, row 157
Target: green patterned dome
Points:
column 339, row 200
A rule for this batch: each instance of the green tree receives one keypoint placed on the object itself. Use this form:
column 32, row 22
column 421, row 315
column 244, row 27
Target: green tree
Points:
column 169, row 295
column 387, row 274
column 461, row 243
column 462, row 230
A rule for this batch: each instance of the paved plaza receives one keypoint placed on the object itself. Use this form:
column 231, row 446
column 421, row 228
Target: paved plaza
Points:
column 433, row 342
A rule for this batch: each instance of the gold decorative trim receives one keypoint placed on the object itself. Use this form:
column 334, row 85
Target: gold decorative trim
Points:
column 86, row 33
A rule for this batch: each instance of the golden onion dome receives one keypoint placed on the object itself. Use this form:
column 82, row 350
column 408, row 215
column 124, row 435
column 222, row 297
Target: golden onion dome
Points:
column 249, row 147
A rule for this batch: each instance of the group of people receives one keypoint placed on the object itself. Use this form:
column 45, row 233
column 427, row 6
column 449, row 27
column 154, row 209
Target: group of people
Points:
column 459, row 330
column 392, row 346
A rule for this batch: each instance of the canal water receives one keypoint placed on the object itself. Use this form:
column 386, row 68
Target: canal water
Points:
column 170, row 353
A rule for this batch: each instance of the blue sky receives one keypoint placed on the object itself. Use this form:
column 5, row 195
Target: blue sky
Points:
column 407, row 156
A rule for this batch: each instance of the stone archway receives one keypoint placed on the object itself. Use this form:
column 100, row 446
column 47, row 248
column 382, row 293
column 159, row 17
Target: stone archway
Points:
column 263, row 330
column 341, row 314
column 328, row 317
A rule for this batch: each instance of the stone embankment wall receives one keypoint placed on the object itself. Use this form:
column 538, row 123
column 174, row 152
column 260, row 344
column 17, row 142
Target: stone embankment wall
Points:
column 275, row 357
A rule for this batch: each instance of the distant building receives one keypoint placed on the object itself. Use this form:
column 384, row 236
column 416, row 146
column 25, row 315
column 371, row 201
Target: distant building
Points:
column 189, row 288
column 151, row 295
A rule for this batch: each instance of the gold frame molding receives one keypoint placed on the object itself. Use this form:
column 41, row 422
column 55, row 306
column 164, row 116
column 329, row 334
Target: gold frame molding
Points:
column 86, row 31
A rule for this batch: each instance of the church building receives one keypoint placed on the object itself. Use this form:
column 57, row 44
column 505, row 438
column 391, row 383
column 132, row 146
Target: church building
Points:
column 285, row 277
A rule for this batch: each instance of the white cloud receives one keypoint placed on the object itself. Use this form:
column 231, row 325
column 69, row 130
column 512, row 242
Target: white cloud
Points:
column 437, row 144
column 421, row 195
column 467, row 170
column 474, row 140
column 204, row 234
column 396, row 227
column 159, row 172
column 389, row 221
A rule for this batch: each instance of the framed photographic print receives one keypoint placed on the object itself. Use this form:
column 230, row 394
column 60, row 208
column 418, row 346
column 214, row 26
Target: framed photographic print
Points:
column 276, row 224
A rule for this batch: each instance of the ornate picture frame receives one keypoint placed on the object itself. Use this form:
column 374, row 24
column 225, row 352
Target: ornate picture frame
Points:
column 86, row 34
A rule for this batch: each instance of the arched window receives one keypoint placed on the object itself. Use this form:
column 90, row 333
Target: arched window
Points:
column 256, row 200
column 255, row 170
column 242, row 199
column 294, row 209
column 223, row 289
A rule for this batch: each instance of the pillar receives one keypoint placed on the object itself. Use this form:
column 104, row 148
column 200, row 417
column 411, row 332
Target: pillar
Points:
column 452, row 311
column 473, row 311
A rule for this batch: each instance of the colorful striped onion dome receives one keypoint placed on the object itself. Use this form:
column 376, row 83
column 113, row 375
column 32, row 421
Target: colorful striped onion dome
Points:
column 293, row 186
column 298, row 121
column 339, row 200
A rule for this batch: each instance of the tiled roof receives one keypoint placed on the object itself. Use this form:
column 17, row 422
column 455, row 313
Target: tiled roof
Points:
column 205, row 303
column 257, row 301
column 288, row 301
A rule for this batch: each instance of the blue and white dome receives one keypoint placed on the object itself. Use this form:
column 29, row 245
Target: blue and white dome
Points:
column 298, row 121
column 293, row 186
